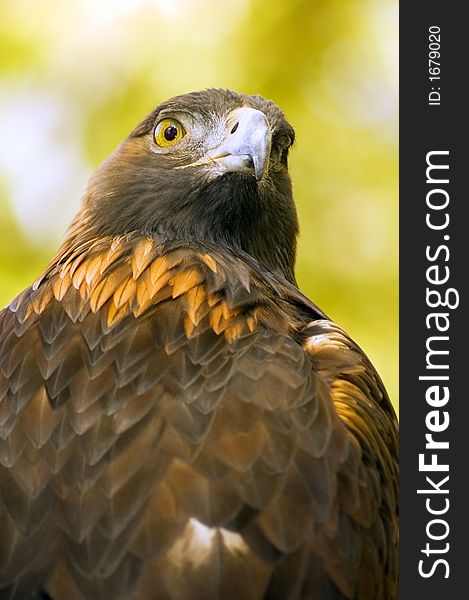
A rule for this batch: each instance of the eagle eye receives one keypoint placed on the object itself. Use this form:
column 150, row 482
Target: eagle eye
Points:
column 168, row 132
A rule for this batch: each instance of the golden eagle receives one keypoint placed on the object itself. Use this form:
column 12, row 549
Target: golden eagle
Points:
column 177, row 420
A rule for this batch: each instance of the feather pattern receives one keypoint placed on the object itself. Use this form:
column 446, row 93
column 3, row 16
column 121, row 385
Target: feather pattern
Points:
column 161, row 433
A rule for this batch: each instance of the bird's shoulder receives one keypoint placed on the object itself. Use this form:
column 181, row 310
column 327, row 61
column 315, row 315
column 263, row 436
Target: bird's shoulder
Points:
column 111, row 320
column 261, row 401
column 129, row 275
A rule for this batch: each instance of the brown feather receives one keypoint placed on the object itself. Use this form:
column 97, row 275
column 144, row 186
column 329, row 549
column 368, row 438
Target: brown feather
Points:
column 142, row 256
column 143, row 394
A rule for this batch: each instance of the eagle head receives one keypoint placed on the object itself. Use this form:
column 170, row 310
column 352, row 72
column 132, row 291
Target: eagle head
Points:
column 209, row 166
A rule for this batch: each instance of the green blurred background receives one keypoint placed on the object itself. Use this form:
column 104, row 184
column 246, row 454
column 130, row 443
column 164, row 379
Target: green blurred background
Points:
column 77, row 75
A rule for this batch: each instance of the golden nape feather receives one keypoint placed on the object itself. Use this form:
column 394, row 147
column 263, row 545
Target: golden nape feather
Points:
column 178, row 421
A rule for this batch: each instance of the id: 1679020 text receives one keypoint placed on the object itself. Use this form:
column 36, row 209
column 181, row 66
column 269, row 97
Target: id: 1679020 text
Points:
column 434, row 65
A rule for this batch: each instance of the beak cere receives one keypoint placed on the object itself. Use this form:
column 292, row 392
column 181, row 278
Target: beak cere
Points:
column 246, row 148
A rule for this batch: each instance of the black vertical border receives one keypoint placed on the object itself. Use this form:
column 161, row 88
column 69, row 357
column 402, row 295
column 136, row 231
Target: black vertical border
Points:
column 425, row 128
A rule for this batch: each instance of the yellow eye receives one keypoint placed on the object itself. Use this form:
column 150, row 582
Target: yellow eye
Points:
column 168, row 132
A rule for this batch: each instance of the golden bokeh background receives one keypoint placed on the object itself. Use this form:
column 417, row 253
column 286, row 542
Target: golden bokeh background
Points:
column 77, row 75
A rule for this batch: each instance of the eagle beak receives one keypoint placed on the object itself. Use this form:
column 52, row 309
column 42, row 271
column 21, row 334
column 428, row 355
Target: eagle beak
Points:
column 247, row 147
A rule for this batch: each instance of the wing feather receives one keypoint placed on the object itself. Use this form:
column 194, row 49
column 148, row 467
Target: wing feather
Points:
column 168, row 419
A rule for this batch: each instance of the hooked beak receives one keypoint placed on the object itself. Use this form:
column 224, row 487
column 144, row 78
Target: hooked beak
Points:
column 247, row 147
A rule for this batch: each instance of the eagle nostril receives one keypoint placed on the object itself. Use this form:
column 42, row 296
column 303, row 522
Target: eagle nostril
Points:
column 235, row 127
